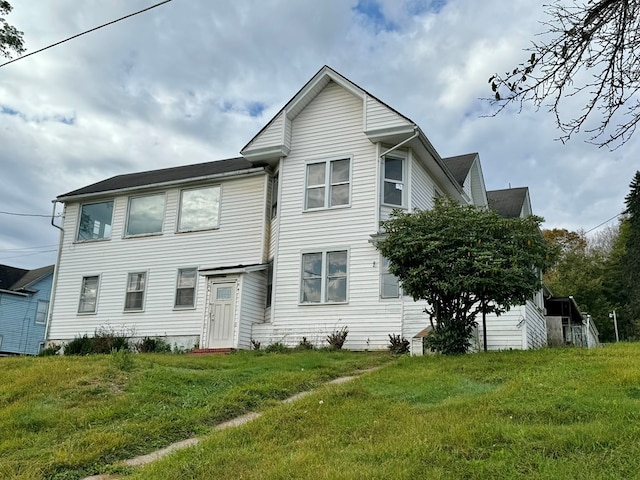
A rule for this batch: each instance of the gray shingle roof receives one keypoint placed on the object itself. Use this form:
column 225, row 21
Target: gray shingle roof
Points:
column 16, row 279
column 507, row 202
column 32, row 276
column 460, row 166
column 164, row 175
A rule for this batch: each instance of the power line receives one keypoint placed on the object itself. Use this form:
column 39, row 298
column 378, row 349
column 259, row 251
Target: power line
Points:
column 85, row 32
column 29, row 214
column 606, row 221
column 27, row 248
column 28, row 254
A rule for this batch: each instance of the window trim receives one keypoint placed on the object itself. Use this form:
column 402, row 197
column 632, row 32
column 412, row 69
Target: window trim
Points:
column 195, row 290
column 404, row 182
column 46, row 312
column 324, row 275
column 79, row 222
column 269, row 289
column 144, row 291
column 275, row 191
column 126, row 233
column 80, row 300
column 327, row 183
column 179, row 212
column 384, row 271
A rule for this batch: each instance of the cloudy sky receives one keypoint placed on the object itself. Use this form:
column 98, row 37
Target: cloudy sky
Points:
column 193, row 80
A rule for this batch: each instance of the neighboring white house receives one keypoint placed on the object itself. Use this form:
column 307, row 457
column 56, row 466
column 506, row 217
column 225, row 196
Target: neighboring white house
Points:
column 273, row 246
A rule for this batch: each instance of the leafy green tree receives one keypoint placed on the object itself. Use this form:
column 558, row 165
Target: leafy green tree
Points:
column 10, row 37
column 588, row 54
column 463, row 260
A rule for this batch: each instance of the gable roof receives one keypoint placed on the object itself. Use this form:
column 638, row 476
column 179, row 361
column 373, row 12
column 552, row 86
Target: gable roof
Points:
column 508, row 202
column 19, row 279
column 166, row 176
column 460, row 166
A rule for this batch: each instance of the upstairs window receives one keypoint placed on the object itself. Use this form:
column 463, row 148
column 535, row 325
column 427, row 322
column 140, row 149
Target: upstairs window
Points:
column 199, row 209
column 186, row 288
column 95, row 221
column 134, row 298
column 328, row 184
column 88, row 295
column 324, row 277
column 393, row 188
column 146, row 215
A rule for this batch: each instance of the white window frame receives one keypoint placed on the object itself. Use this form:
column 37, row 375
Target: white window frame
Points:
column 324, row 276
column 194, row 288
column 327, row 185
column 144, row 291
column 385, row 273
column 402, row 183
column 40, row 313
column 275, row 188
column 96, row 239
column 97, row 296
column 179, row 229
column 164, row 211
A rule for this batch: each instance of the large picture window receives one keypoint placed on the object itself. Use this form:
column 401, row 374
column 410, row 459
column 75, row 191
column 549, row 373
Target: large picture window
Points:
column 95, row 221
column 393, row 187
column 199, row 209
column 146, row 214
column 324, row 277
column 328, row 184
column 134, row 298
column 88, row 295
column 186, row 288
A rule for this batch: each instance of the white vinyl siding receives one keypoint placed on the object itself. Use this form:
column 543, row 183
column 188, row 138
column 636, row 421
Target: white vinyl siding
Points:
column 252, row 288
column 272, row 135
column 237, row 241
column 379, row 116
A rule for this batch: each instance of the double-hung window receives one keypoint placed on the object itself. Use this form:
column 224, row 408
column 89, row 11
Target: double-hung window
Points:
column 88, row 295
column 42, row 309
column 186, row 288
column 393, row 183
column 324, row 277
column 134, row 298
column 95, row 221
column 389, row 285
column 328, row 184
column 146, row 214
column 199, row 209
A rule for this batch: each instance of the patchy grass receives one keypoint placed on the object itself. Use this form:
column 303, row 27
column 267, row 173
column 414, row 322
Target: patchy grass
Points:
column 549, row 414
column 68, row 417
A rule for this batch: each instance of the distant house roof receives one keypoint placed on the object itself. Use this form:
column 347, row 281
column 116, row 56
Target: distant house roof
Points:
column 165, row 175
column 18, row 279
column 460, row 166
column 507, row 202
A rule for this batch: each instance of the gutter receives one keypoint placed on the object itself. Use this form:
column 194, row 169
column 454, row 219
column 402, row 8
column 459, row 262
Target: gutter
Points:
column 56, row 269
column 235, row 173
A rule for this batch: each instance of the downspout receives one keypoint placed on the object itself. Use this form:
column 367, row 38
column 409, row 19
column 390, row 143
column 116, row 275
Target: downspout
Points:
column 56, row 268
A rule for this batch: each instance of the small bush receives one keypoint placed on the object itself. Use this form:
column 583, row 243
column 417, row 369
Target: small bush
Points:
column 255, row 344
column 152, row 345
column 337, row 338
column 398, row 345
column 79, row 346
column 106, row 339
column 52, row 349
column 122, row 359
column 305, row 344
column 277, row 347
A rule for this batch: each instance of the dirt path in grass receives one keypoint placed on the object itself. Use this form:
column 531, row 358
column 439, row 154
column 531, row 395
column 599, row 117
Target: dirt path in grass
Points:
column 234, row 422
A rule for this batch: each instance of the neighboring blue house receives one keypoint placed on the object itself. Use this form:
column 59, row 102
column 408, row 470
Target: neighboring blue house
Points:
column 24, row 307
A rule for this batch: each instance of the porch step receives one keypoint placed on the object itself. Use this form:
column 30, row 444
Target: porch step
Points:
column 211, row 351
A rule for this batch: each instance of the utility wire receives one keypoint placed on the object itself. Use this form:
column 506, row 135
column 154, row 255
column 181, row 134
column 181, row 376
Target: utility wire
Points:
column 85, row 32
column 606, row 221
column 29, row 214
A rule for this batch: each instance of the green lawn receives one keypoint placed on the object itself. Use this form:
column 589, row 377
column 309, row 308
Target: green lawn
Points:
column 548, row 414
column 68, row 417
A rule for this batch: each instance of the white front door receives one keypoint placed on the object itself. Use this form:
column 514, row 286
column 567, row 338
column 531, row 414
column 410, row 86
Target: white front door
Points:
column 221, row 315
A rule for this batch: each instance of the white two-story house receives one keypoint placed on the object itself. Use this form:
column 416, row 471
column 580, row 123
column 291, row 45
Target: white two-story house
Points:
column 272, row 246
